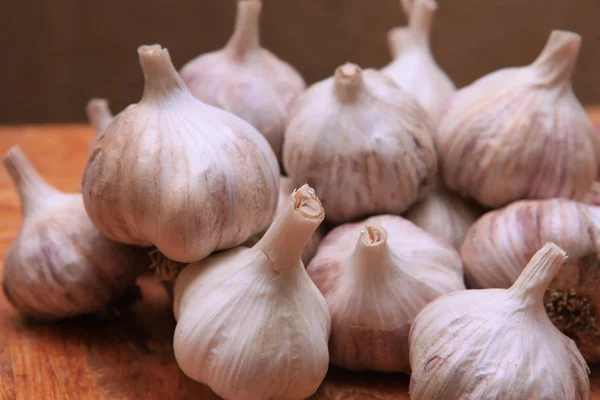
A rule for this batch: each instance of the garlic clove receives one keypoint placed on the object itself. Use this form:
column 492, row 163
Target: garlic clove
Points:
column 520, row 133
column 497, row 344
column 375, row 288
column 500, row 243
column 59, row 265
column 251, row 324
column 99, row 114
column 364, row 144
column 176, row 173
column 246, row 79
column 445, row 214
column 413, row 67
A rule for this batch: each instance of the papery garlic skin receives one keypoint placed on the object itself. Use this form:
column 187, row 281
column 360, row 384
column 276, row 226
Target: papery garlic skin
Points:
column 414, row 68
column 497, row 344
column 246, row 79
column 445, row 214
column 364, row 144
column 498, row 245
column 176, row 173
column 60, row 265
column 520, row 133
column 251, row 324
column 375, row 288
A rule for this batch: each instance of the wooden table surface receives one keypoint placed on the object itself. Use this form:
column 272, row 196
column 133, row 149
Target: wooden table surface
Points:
column 129, row 357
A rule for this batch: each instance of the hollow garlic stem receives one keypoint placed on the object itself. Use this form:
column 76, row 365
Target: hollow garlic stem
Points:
column 98, row 113
column 160, row 77
column 348, row 82
column 420, row 20
column 537, row 275
column 33, row 189
column 284, row 240
column 371, row 251
column 246, row 34
column 557, row 60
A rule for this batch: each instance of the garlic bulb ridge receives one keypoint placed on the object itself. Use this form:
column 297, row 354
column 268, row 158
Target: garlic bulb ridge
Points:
column 176, row 173
column 496, row 343
column 498, row 245
column 59, row 265
column 520, row 133
column 364, row 144
column 251, row 324
column 376, row 286
column 413, row 67
column 245, row 79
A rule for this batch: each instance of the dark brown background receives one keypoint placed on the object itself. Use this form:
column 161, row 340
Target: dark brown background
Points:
column 58, row 53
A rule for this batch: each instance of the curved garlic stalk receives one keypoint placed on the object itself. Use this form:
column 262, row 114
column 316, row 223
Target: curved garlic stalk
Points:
column 375, row 288
column 520, row 133
column 496, row 343
column 444, row 214
column 364, row 144
column 99, row 114
column 176, row 173
column 500, row 243
column 245, row 79
column 413, row 67
column 251, row 324
column 59, row 265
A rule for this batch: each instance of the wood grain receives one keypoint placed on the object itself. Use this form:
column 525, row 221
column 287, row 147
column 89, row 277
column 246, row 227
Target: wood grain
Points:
column 128, row 357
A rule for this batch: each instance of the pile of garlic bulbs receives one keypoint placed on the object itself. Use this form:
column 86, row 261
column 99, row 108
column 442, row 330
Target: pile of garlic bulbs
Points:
column 343, row 223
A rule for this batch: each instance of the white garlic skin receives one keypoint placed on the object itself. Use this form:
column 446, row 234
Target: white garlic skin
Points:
column 179, row 174
column 376, row 287
column 246, row 79
column 520, row 133
column 493, row 344
column 251, row 323
column 413, row 67
column 500, row 243
column 445, row 214
column 364, row 144
column 60, row 265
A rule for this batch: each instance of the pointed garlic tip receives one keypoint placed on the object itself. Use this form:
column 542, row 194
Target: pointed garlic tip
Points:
column 557, row 60
column 371, row 249
column 33, row 189
column 160, row 76
column 246, row 33
column 537, row 275
column 348, row 82
column 294, row 224
column 407, row 6
column 421, row 18
column 373, row 235
column 99, row 114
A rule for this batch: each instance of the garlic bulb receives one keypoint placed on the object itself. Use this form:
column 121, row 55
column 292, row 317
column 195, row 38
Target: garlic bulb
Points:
column 251, row 324
column 375, row 288
column 176, row 173
column 445, row 214
column 413, row 68
column 500, row 243
column 520, row 133
column 99, row 114
column 496, row 343
column 245, row 79
column 59, row 265
column 364, row 144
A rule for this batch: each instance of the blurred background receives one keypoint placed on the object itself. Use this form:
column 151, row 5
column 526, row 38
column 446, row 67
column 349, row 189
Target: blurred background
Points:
column 56, row 54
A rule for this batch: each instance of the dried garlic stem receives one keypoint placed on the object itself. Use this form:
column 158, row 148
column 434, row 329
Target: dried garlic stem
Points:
column 348, row 82
column 371, row 250
column 538, row 274
column 33, row 189
column 98, row 113
column 557, row 60
column 246, row 35
column 293, row 226
column 160, row 77
column 421, row 19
